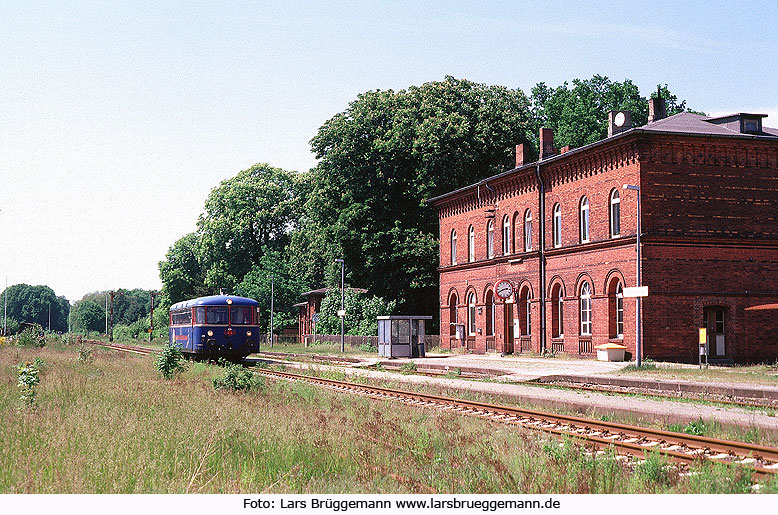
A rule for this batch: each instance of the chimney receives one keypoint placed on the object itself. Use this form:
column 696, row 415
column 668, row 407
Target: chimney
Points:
column 521, row 155
column 546, row 143
column 656, row 109
column 619, row 121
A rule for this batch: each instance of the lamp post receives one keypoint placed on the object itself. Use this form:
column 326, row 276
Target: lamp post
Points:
column 342, row 305
column 272, row 293
column 638, row 313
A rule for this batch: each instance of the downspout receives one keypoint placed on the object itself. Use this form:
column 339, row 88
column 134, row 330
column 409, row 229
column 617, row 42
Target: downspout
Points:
column 542, row 217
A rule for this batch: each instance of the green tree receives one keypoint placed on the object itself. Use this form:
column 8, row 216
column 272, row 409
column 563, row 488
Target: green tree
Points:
column 361, row 312
column 253, row 211
column 286, row 288
column 35, row 304
column 90, row 316
column 380, row 161
column 182, row 272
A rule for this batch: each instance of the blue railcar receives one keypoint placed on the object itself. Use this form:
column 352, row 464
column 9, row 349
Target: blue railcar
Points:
column 216, row 326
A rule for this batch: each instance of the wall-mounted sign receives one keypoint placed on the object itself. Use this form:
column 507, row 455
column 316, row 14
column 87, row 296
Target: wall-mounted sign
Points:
column 503, row 288
column 636, row 291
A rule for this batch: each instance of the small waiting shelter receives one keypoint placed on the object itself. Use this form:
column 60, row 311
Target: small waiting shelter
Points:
column 401, row 336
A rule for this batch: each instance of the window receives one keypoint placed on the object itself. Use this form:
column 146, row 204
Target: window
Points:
column 471, row 244
column 615, row 214
column 452, row 313
column 616, row 310
column 506, row 235
column 183, row 317
column 557, row 312
column 516, row 235
column 586, row 310
column 528, row 230
column 200, row 315
column 584, row 220
column 490, row 239
column 240, row 315
column 454, row 247
column 557, row 224
column 471, row 314
column 525, row 312
column 217, row 315
column 490, row 305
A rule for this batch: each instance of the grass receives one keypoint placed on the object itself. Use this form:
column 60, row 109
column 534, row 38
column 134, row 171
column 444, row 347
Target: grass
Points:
column 113, row 425
column 758, row 374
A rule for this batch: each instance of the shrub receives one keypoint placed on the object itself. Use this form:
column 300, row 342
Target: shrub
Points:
column 367, row 347
column 85, row 353
column 28, row 379
column 237, row 377
column 168, row 362
column 30, row 337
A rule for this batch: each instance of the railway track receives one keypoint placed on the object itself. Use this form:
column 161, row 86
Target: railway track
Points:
column 632, row 440
column 132, row 349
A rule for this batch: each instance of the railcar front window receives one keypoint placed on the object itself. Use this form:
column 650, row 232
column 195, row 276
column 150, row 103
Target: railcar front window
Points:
column 240, row 315
column 200, row 315
column 217, row 315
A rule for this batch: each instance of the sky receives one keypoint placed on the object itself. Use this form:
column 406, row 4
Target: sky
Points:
column 118, row 118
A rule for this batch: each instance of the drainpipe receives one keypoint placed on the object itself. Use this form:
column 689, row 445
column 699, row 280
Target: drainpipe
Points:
column 542, row 243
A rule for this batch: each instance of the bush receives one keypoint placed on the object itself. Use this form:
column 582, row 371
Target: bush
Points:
column 28, row 379
column 30, row 337
column 85, row 353
column 168, row 362
column 237, row 377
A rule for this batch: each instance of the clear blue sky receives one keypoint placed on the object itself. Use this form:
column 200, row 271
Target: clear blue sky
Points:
column 117, row 118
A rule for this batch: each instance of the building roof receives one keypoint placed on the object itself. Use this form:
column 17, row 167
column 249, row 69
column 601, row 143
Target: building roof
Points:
column 681, row 123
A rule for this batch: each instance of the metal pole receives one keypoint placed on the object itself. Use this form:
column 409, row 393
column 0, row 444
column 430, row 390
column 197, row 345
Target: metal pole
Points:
column 342, row 305
column 639, row 314
column 5, row 308
column 272, row 294
column 49, row 317
column 110, row 334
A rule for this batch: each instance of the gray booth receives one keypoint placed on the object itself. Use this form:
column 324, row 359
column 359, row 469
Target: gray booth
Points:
column 401, row 336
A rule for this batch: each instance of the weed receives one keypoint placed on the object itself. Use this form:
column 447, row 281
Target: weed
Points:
column 168, row 362
column 236, row 377
column 28, row 379
column 367, row 347
column 454, row 373
column 85, row 354
column 696, row 427
column 408, row 368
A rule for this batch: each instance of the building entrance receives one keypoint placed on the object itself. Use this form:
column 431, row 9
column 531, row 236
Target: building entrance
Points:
column 508, row 320
column 714, row 323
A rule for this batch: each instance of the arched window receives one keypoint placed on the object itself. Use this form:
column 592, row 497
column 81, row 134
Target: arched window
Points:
column 557, row 312
column 586, row 309
column 490, row 305
column 471, row 244
column 452, row 313
column 584, row 220
column 525, row 312
column 490, row 239
column 471, row 314
column 527, row 230
column 516, row 231
column 615, row 214
column 506, row 235
column 454, row 247
column 557, row 223
column 616, row 310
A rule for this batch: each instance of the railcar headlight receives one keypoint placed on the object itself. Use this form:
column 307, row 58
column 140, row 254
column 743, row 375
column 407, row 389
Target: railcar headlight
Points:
column 210, row 333
column 248, row 333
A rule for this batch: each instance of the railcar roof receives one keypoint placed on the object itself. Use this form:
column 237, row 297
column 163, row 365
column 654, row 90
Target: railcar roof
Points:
column 215, row 300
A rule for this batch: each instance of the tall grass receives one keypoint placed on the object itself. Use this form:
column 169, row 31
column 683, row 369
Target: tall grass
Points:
column 113, row 425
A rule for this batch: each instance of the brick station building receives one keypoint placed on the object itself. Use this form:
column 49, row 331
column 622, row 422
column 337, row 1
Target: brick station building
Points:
column 561, row 234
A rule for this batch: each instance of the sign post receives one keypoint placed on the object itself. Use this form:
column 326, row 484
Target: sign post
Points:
column 703, row 341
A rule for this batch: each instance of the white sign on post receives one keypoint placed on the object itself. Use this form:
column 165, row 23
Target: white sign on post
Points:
column 341, row 313
column 636, row 291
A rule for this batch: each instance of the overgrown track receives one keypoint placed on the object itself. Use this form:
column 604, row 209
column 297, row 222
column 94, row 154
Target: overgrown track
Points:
column 133, row 349
column 632, row 440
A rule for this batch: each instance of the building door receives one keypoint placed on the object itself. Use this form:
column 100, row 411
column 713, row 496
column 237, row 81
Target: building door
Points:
column 714, row 323
column 508, row 320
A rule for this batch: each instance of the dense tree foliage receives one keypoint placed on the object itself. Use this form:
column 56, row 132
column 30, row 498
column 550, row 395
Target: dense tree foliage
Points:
column 579, row 115
column 34, row 304
column 361, row 312
column 380, row 160
column 129, row 306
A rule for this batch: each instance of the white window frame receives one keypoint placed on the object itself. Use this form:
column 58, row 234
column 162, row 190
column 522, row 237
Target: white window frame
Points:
column 471, row 244
column 583, row 219
column 506, row 235
column 490, row 239
column 527, row 230
column 453, row 246
column 586, row 309
column 615, row 214
column 619, row 312
column 471, row 314
column 557, row 225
